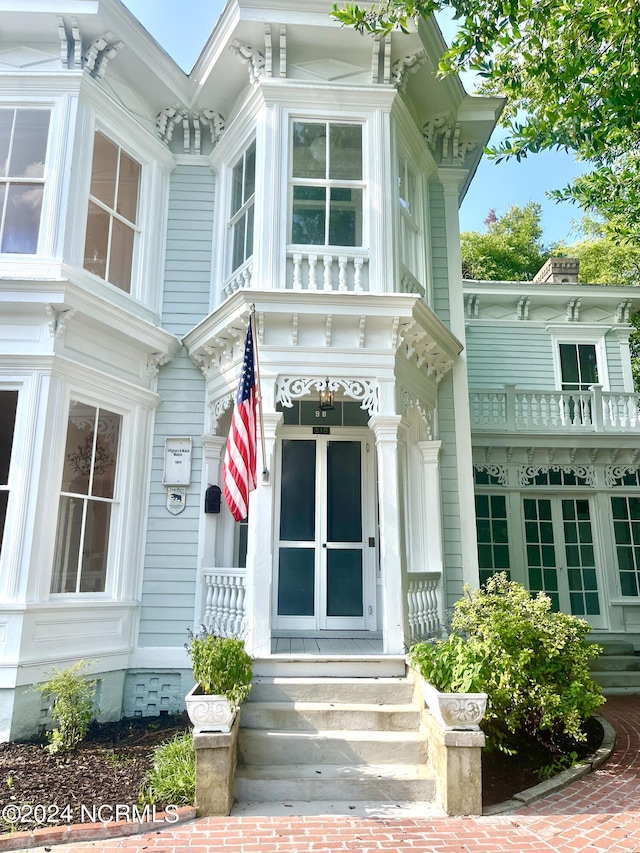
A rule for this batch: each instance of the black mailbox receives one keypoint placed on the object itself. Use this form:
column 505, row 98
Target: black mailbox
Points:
column 212, row 499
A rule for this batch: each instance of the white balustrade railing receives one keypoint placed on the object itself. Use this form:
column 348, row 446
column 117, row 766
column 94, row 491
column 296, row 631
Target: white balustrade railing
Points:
column 225, row 591
column 346, row 271
column 241, row 279
column 587, row 411
column 423, row 604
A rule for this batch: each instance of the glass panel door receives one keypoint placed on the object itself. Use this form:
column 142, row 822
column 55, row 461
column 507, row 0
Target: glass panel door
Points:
column 323, row 569
column 560, row 555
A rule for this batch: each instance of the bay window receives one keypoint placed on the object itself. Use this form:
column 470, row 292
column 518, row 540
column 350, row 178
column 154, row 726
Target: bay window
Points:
column 113, row 213
column 242, row 205
column 23, row 147
column 327, row 185
column 86, row 500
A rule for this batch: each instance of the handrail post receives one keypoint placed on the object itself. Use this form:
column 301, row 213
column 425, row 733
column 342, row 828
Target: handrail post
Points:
column 597, row 412
column 510, row 391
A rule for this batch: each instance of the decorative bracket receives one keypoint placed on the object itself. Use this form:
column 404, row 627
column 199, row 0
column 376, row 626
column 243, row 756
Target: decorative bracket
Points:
column 155, row 362
column 409, row 400
column 58, row 318
column 573, row 309
column 290, row 388
column 522, row 308
column 192, row 124
column 402, row 68
column 442, row 136
column 252, row 57
column 418, row 345
column 94, row 59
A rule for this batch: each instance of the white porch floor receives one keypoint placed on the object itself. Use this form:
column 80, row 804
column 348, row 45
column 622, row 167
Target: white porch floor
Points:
column 326, row 645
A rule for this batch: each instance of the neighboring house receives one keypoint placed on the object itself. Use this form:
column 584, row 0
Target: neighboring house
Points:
column 317, row 175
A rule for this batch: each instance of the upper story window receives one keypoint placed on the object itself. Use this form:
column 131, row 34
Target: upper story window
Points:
column 86, row 501
column 113, row 213
column 23, row 147
column 243, row 193
column 8, row 405
column 578, row 366
column 410, row 230
column 327, row 185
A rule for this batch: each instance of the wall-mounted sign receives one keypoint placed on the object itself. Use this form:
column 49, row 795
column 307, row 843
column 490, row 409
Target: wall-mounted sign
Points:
column 177, row 462
column 176, row 499
column 321, row 430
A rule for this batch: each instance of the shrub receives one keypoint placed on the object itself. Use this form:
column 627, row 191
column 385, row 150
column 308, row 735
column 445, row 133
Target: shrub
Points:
column 532, row 662
column 73, row 707
column 172, row 778
column 220, row 665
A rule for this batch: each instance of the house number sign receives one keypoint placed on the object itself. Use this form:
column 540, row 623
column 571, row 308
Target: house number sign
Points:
column 177, row 462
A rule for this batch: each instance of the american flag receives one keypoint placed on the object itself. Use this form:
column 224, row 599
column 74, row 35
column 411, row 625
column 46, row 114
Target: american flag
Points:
column 239, row 466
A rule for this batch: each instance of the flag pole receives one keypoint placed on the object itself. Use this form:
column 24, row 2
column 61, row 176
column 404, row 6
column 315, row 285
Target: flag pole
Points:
column 256, row 367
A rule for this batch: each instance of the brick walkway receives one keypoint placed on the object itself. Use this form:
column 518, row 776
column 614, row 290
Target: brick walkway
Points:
column 597, row 814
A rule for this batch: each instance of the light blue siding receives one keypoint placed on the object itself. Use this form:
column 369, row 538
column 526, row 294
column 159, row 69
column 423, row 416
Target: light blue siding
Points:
column 172, row 541
column 614, row 362
column 509, row 353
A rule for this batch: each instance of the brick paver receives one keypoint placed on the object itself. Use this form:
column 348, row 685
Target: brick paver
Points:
column 597, row 814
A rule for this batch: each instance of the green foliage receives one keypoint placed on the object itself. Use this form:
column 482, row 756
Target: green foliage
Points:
column 509, row 250
column 73, row 710
column 221, row 666
column 172, row 778
column 570, row 72
column 452, row 665
column 560, row 763
column 533, row 663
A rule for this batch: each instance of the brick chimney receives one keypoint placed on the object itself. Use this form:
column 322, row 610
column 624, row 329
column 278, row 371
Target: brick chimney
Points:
column 558, row 270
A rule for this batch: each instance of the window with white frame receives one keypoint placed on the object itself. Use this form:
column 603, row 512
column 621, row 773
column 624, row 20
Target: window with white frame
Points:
column 626, row 527
column 86, row 501
column 8, row 405
column 410, row 229
column 23, row 146
column 578, row 366
column 112, row 219
column 243, row 191
column 327, row 184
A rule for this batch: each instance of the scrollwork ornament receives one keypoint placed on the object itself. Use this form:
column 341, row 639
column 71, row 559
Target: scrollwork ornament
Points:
column 497, row 471
column 614, row 474
column 218, row 409
column 364, row 391
column 528, row 473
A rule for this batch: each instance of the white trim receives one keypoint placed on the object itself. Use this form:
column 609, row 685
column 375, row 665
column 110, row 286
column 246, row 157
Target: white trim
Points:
column 580, row 335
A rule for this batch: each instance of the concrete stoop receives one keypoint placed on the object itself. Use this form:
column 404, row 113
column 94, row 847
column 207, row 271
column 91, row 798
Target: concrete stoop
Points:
column 617, row 670
column 340, row 739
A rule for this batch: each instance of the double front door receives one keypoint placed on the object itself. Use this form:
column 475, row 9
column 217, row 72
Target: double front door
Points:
column 326, row 534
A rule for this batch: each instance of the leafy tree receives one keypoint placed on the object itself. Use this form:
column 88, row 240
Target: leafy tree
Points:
column 509, row 250
column 571, row 69
column 604, row 260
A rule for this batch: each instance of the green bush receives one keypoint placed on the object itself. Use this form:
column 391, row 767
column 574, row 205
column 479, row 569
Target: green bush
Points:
column 73, row 706
column 532, row 662
column 220, row 665
column 172, row 778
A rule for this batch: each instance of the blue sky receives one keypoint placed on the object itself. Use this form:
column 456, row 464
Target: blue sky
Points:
column 182, row 27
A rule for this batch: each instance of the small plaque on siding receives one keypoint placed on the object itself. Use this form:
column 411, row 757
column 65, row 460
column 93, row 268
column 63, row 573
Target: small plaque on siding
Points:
column 176, row 499
column 321, row 430
column 177, row 462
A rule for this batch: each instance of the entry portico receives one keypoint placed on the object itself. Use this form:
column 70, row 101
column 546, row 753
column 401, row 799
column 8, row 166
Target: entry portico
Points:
column 344, row 525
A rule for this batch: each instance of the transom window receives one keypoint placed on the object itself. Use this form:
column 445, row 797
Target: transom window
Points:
column 327, row 187
column 23, row 147
column 8, row 404
column 87, row 498
column 242, row 206
column 578, row 366
column 113, row 213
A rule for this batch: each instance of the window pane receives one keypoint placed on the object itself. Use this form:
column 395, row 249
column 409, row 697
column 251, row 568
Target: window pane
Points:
column 22, row 220
column 588, row 366
column 106, row 454
column 29, row 144
column 121, row 255
column 309, row 206
column 104, row 170
column 4, row 499
column 6, row 125
column 128, row 184
column 345, row 152
column 97, row 241
column 250, row 173
column 8, row 405
column 344, row 492
column 94, row 549
column 236, row 187
column 296, row 581
column 238, row 242
column 78, row 452
column 344, row 583
column 65, row 561
column 569, row 363
column 298, row 491
column 345, row 217
column 309, row 150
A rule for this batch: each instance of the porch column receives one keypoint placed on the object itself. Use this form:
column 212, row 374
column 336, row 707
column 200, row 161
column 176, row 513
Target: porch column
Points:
column 432, row 517
column 395, row 626
column 260, row 547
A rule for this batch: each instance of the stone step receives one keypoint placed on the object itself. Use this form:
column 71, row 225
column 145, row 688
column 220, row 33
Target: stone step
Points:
column 266, row 747
column 616, row 647
column 615, row 663
column 334, row 782
column 384, row 690
column 321, row 716
column 298, row 665
column 630, row 681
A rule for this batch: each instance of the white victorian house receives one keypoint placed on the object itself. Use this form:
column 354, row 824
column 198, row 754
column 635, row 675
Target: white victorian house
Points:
column 315, row 174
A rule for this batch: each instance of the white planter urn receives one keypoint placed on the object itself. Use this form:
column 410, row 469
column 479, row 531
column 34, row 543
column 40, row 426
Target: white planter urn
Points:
column 209, row 713
column 455, row 710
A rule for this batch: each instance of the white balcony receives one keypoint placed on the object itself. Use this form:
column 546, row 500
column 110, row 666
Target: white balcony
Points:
column 517, row 410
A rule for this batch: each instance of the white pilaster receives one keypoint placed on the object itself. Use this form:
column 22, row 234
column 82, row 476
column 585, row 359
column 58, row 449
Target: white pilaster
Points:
column 260, row 549
column 209, row 547
column 451, row 180
column 432, row 512
column 394, row 582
